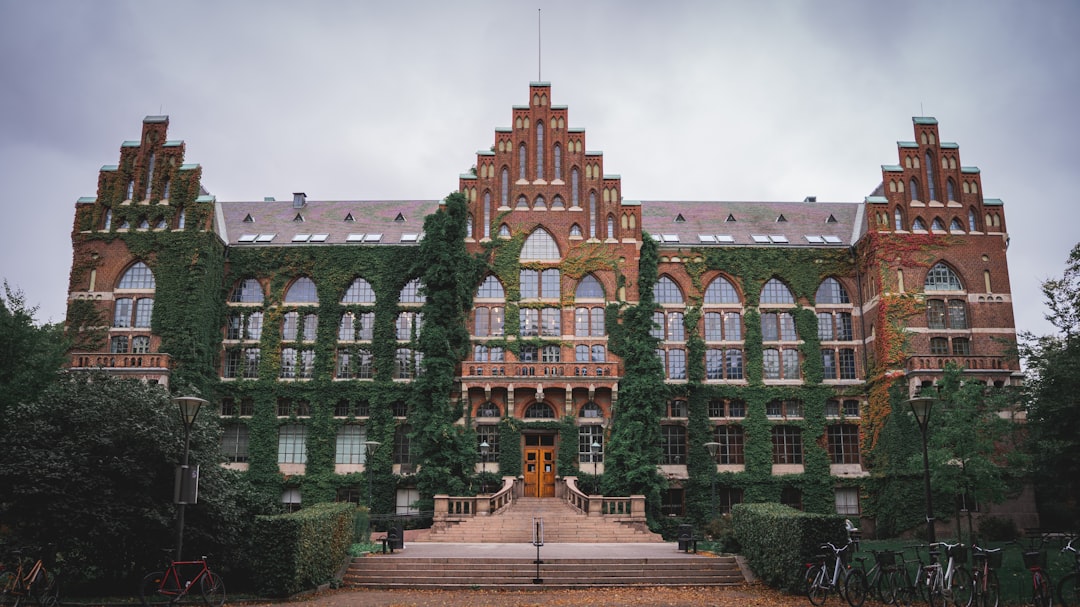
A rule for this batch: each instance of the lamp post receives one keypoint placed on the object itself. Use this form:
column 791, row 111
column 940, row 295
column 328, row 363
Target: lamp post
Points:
column 713, row 448
column 921, row 406
column 370, row 446
column 189, row 408
column 595, row 449
column 484, row 448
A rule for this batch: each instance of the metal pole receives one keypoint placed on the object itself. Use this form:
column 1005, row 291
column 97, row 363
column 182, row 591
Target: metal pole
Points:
column 931, row 535
column 182, row 503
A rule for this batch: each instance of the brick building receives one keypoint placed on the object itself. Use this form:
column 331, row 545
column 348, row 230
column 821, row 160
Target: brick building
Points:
column 300, row 316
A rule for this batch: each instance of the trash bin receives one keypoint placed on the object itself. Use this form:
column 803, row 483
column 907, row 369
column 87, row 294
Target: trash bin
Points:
column 395, row 538
column 686, row 537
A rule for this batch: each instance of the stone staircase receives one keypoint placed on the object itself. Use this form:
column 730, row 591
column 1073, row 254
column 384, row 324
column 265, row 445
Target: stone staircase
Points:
column 520, row 573
column 562, row 524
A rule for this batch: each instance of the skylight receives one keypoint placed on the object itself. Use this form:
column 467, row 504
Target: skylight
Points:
column 707, row 238
column 832, row 239
column 247, row 238
column 354, row 238
column 670, row 237
column 372, row 237
column 760, row 238
column 725, row 238
column 815, row 239
column 265, row 237
column 301, row 237
column 319, row 237
column 409, row 237
column 778, row 238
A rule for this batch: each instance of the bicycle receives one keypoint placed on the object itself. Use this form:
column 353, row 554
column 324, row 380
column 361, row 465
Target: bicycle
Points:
column 884, row 579
column 949, row 582
column 35, row 582
column 848, row 583
column 1068, row 590
column 985, row 587
column 178, row 579
column 1035, row 562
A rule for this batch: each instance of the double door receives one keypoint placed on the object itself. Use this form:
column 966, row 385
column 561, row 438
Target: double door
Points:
column 539, row 465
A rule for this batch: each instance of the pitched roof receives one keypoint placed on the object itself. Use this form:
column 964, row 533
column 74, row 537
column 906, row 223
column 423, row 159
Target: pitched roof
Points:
column 752, row 223
column 393, row 221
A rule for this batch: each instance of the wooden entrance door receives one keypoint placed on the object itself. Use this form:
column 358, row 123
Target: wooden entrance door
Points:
column 539, row 465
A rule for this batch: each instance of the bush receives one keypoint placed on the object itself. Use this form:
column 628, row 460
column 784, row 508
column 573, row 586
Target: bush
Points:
column 778, row 540
column 997, row 529
column 721, row 531
column 303, row 549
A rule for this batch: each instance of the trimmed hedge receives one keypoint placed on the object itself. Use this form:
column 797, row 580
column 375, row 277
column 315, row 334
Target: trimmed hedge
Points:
column 303, row 549
column 778, row 540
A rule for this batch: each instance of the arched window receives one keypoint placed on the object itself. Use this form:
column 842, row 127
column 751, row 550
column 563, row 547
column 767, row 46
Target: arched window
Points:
column 721, row 291
column 504, row 231
column 776, row 292
column 539, row 150
column 491, row 288
column 610, row 226
column 898, row 219
column 918, row 224
column 108, row 220
column 411, row 292
column 972, row 225
column 930, row 190
column 956, row 226
column 521, row 161
column 504, row 194
column 831, row 292
column 137, row 276
column 591, row 410
column 149, row 178
column 950, row 186
column 913, row 189
column 575, row 231
column 942, row 278
column 522, row 202
column 592, row 214
column 359, row 291
column 557, row 202
column 540, row 245
column 667, row 292
column 539, row 203
column 575, row 194
column 539, row 410
column 558, row 161
column 589, row 288
column 488, row 409
column 469, row 226
column 937, row 224
column 247, row 291
column 487, row 211
column 302, row 291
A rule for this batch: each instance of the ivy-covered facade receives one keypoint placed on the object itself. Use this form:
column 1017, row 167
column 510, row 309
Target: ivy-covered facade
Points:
column 537, row 323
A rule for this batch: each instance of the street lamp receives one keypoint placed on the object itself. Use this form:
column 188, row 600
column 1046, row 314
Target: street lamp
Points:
column 189, row 408
column 484, row 448
column 713, row 448
column 370, row 446
column 595, row 449
column 921, row 406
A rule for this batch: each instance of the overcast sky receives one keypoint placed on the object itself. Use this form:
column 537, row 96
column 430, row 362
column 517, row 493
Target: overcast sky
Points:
column 763, row 100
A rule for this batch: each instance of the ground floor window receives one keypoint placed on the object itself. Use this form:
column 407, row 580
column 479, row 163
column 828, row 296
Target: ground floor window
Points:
column 234, row 443
column 290, row 500
column 847, row 500
column 406, row 501
column 672, row 502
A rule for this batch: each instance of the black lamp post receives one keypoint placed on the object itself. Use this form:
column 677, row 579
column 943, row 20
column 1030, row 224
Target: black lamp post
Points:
column 713, row 447
column 921, row 406
column 189, row 408
column 595, row 449
column 370, row 446
column 484, row 448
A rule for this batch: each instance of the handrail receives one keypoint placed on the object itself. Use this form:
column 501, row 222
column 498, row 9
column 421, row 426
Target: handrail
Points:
column 574, row 496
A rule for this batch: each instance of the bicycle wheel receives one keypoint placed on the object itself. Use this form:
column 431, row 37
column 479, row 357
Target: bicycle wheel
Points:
column 935, row 591
column 1069, row 591
column 150, row 590
column 1041, row 595
column 817, row 588
column 960, row 588
column 855, row 589
column 8, row 598
column 905, row 588
column 887, row 586
column 213, row 589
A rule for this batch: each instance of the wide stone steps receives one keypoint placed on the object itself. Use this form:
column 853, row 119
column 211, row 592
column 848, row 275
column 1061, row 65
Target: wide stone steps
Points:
column 562, row 524
column 448, row 573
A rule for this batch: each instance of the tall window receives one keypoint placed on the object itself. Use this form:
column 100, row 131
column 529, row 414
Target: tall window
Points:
column 504, row 197
column 942, row 314
column 350, row 444
column 488, row 321
column 359, row 292
column 776, row 292
column 302, row 291
column 667, row 292
column 539, row 284
column 778, row 326
column 942, row 278
column 539, row 150
column 726, row 326
column 234, row 443
column 592, row 214
column 247, row 291
column 540, row 245
column 831, row 292
column 673, row 444
column 521, row 161
column 487, row 211
column 724, row 364
column 575, row 199
column 731, row 449
column 781, row 363
column 834, row 326
column 402, row 444
column 587, row 435
column 557, row 152
column 721, row 291
column 674, row 362
column 412, row 292
column 488, row 433
column 787, row 445
column 843, row 443
column 589, row 322
column 292, row 444
column 930, row 190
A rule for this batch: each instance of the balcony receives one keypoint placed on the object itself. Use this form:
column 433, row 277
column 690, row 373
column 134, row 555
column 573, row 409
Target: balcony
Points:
column 519, row 369
column 104, row 360
column 971, row 363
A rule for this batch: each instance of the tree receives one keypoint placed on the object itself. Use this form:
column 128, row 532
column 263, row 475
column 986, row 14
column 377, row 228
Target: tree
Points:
column 88, row 471
column 1053, row 400
column 30, row 355
column 972, row 451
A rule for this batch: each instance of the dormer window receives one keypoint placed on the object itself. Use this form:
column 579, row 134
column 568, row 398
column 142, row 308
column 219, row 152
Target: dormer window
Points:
column 399, row 217
column 249, row 219
column 349, row 217
column 730, row 217
column 680, row 219
column 831, row 219
column 298, row 219
column 299, row 199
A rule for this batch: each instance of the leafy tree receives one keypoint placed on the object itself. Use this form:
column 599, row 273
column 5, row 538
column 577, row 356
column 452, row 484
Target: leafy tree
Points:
column 972, row 451
column 88, row 470
column 1053, row 414
column 30, row 355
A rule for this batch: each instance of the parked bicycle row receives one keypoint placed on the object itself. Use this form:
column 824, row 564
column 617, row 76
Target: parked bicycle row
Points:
column 941, row 574
column 179, row 581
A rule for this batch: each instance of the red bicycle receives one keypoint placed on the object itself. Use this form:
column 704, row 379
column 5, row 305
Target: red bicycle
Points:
column 1035, row 561
column 178, row 580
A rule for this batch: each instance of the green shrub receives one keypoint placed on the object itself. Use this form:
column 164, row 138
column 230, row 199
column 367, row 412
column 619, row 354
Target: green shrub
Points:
column 721, row 532
column 303, row 549
column 997, row 529
column 778, row 540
